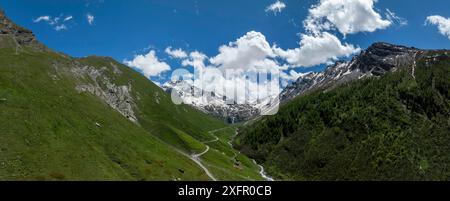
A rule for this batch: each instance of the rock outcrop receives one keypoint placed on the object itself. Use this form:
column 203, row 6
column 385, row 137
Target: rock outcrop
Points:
column 117, row 97
column 21, row 36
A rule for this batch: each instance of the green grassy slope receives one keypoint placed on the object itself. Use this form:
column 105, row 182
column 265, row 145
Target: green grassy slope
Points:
column 50, row 131
column 156, row 112
column 182, row 126
column 396, row 127
column 226, row 162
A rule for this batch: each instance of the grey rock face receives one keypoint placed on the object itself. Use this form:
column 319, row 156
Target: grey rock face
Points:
column 232, row 113
column 377, row 60
column 90, row 79
column 21, row 35
column 383, row 57
column 117, row 97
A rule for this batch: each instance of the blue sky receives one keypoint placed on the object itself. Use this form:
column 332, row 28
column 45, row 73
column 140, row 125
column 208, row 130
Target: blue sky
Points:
column 123, row 29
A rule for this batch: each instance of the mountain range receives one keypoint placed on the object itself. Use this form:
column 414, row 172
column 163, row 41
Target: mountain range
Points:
column 383, row 115
column 377, row 60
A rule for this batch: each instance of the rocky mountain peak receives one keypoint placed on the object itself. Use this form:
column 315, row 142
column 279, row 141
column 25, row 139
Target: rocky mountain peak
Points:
column 20, row 35
column 376, row 60
column 381, row 57
column 387, row 46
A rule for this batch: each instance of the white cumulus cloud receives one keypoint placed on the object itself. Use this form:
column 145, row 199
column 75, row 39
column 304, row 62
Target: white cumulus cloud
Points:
column 318, row 45
column 442, row 23
column 228, row 72
column 347, row 16
column 149, row 64
column 317, row 49
column 276, row 7
column 244, row 53
column 196, row 59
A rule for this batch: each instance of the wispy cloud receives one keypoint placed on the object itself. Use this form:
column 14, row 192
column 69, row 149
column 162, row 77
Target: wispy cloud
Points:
column 276, row 7
column 90, row 18
column 347, row 16
column 394, row 19
column 68, row 18
column 54, row 22
column 45, row 18
column 61, row 27
column 94, row 3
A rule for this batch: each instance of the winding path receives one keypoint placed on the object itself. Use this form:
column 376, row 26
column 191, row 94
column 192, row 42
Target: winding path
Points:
column 211, row 141
column 196, row 159
column 201, row 154
column 229, row 142
column 231, row 145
